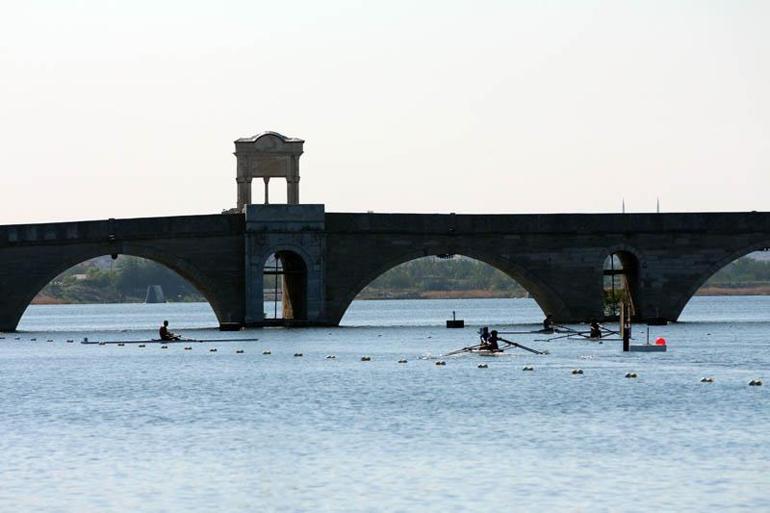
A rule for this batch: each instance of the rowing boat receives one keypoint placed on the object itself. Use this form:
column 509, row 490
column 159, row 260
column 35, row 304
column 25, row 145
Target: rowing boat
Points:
column 487, row 352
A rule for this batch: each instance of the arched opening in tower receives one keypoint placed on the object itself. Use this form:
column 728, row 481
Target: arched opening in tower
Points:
column 285, row 287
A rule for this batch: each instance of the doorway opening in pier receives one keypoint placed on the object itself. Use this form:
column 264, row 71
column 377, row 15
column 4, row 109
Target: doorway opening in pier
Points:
column 118, row 292
column 620, row 279
column 430, row 289
column 285, row 287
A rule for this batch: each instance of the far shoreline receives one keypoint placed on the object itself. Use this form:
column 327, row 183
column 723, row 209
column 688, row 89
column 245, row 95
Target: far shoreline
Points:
column 438, row 294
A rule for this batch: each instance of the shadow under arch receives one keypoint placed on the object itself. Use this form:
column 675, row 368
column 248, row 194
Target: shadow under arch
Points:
column 715, row 268
column 68, row 260
column 547, row 299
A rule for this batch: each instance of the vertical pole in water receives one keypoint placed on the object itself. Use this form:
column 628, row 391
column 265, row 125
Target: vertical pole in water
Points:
column 275, row 288
column 625, row 326
column 612, row 277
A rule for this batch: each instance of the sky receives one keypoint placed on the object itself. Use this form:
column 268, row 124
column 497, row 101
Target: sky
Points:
column 130, row 109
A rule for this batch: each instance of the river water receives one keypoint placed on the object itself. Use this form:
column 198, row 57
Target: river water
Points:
column 89, row 428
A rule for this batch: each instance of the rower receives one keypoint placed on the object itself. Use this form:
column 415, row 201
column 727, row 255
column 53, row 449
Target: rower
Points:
column 165, row 334
column 596, row 330
column 491, row 344
column 548, row 324
column 484, row 335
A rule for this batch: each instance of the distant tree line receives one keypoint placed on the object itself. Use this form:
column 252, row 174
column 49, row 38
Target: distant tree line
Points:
column 744, row 272
column 435, row 275
column 126, row 280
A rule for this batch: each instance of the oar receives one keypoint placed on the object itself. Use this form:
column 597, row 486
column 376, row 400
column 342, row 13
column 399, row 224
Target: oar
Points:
column 582, row 334
column 518, row 332
column 521, row 346
column 553, row 338
column 566, row 328
column 463, row 350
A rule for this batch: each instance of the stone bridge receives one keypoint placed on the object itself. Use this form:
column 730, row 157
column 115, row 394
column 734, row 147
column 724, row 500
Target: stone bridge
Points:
column 328, row 258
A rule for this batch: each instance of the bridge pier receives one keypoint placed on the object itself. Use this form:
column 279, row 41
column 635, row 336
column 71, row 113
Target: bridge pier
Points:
column 296, row 233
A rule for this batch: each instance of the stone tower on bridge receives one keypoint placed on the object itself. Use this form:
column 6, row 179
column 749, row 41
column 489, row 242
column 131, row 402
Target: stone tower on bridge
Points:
column 267, row 155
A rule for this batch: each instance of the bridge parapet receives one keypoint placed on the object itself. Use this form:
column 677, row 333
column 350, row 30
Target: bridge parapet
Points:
column 112, row 229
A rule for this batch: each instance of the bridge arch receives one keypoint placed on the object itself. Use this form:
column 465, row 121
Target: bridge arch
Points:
column 547, row 299
column 48, row 269
column 703, row 276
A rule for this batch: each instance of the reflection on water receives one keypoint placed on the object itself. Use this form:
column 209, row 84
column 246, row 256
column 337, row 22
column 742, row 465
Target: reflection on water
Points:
column 109, row 428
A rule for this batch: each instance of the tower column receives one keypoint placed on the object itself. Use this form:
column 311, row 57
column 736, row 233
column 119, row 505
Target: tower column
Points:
column 244, row 192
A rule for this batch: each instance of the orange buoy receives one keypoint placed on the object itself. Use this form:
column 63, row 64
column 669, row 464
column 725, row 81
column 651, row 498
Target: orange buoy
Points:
column 660, row 341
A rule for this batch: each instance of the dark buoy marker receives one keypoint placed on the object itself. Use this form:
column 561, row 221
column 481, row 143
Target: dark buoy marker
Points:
column 441, row 363
column 297, row 355
column 631, row 374
column 483, row 366
column 402, row 361
column 213, row 350
column 707, row 379
column 267, row 352
column 454, row 322
column 577, row 371
column 330, row 357
column 755, row 383
column 527, row 368
column 366, row 358
column 239, row 351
